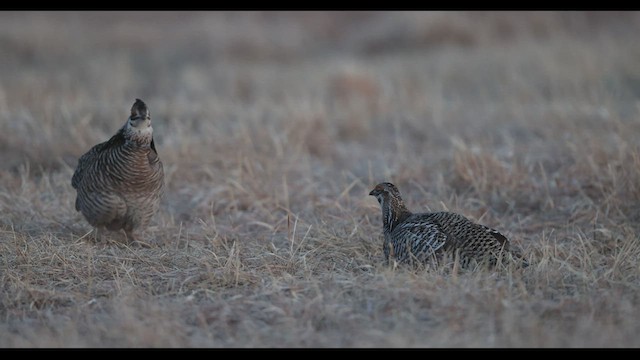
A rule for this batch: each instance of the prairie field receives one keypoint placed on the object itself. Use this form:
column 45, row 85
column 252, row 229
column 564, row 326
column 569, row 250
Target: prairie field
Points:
column 273, row 127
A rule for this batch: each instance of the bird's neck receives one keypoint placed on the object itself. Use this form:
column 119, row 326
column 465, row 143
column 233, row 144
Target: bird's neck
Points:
column 141, row 137
column 393, row 212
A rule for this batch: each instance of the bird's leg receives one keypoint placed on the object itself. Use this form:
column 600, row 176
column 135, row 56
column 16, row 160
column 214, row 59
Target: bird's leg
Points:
column 98, row 235
column 135, row 239
column 89, row 235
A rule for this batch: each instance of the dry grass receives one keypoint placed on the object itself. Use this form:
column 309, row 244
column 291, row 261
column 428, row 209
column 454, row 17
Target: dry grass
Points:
column 273, row 127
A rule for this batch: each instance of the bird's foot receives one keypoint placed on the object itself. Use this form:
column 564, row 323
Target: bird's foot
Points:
column 136, row 240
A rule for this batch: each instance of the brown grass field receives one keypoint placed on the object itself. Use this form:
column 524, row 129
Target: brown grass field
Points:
column 273, row 127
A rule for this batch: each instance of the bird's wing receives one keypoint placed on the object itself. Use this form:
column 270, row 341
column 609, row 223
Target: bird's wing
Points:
column 83, row 163
column 423, row 237
column 90, row 156
column 453, row 223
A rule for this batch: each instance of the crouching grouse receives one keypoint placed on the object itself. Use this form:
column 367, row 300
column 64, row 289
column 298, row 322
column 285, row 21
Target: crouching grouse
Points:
column 417, row 238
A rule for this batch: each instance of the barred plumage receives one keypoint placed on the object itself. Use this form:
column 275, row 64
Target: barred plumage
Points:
column 120, row 182
column 411, row 238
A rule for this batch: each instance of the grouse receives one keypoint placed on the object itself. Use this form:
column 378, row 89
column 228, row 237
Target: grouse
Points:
column 418, row 237
column 120, row 182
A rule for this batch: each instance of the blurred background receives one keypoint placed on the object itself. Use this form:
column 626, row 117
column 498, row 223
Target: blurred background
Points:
column 428, row 68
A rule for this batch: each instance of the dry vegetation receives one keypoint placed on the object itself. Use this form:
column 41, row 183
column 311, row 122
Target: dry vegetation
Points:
column 273, row 127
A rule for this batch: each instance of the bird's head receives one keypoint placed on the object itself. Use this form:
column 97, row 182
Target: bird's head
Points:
column 140, row 116
column 138, row 127
column 385, row 191
column 393, row 208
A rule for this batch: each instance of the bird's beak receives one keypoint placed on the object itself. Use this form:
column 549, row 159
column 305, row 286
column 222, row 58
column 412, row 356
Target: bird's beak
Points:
column 373, row 192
